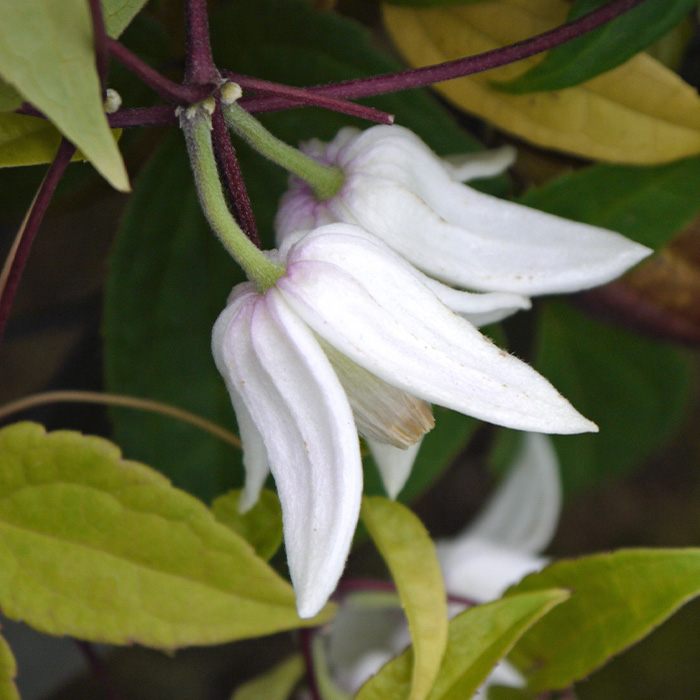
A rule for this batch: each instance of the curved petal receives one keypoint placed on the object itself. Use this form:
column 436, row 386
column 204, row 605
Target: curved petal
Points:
column 306, row 424
column 398, row 189
column 479, row 309
column 524, row 511
column 482, row 242
column 482, row 571
column 255, row 459
column 343, row 282
column 470, row 166
column 394, row 464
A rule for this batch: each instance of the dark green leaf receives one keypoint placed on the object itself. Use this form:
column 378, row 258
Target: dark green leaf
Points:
column 602, row 49
column 647, row 204
column 635, row 389
column 169, row 276
column 617, row 599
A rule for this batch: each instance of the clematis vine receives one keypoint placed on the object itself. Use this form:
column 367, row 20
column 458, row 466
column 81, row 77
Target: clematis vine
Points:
column 397, row 188
column 497, row 550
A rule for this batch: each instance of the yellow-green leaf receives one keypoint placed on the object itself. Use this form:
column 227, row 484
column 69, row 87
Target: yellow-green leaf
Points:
column 47, row 55
column 617, row 599
column 104, row 549
column 9, row 97
column 119, row 13
column 261, row 526
column 641, row 112
column 8, row 671
column 31, row 141
column 277, row 684
column 410, row 555
column 478, row 639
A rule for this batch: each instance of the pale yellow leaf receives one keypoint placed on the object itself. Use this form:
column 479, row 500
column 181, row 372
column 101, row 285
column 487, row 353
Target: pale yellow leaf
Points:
column 638, row 113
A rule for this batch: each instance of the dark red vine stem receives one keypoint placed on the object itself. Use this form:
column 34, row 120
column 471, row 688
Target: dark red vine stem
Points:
column 99, row 671
column 168, row 89
column 19, row 255
column 233, row 177
column 99, row 32
column 306, row 637
column 420, row 77
column 303, row 96
column 199, row 63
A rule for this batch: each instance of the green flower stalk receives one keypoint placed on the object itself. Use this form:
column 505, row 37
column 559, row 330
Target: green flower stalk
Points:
column 196, row 125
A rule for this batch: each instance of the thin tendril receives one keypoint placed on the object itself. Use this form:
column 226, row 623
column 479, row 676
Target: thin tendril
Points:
column 124, row 401
column 199, row 64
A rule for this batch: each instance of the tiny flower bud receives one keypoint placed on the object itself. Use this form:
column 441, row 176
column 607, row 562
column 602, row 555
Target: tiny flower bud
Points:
column 230, row 93
column 209, row 105
column 113, row 101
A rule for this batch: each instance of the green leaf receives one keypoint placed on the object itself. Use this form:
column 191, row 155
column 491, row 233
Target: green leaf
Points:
column 276, row 684
column 8, row 672
column 478, row 639
column 166, row 254
column 119, row 13
column 410, row 555
column 604, row 48
column 635, row 389
column 261, row 526
column 9, row 97
column 103, row 549
column 47, row 55
column 647, row 204
column 617, row 599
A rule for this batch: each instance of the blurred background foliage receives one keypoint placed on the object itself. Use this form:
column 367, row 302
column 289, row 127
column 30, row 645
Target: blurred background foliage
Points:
column 625, row 355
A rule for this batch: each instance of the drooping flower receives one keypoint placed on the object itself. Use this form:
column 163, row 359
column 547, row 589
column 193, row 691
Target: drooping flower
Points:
column 398, row 189
column 496, row 551
column 351, row 338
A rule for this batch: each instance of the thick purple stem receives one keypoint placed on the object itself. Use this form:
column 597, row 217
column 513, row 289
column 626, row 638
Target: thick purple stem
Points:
column 168, row 89
column 20, row 253
column 199, row 63
column 100, row 40
column 419, row 77
column 233, row 177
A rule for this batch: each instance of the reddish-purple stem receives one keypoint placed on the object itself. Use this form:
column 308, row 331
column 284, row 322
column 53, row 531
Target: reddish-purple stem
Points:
column 308, row 97
column 419, row 77
column 199, row 63
column 168, row 89
column 31, row 225
column 306, row 636
column 143, row 116
column 233, row 177
column 99, row 670
column 99, row 33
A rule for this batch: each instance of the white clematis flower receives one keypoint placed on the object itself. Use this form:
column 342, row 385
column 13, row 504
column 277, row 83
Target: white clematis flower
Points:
column 398, row 189
column 353, row 338
column 496, row 551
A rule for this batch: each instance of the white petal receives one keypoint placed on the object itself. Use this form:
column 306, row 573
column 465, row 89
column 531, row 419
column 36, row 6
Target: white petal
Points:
column 255, row 459
column 303, row 415
column 471, row 239
column 373, row 306
column 394, row 464
column 524, row 511
column 480, row 570
column 470, row 166
column 479, row 309
column 398, row 189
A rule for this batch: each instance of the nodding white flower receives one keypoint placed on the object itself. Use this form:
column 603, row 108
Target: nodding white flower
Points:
column 398, row 189
column 496, row 551
column 353, row 338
